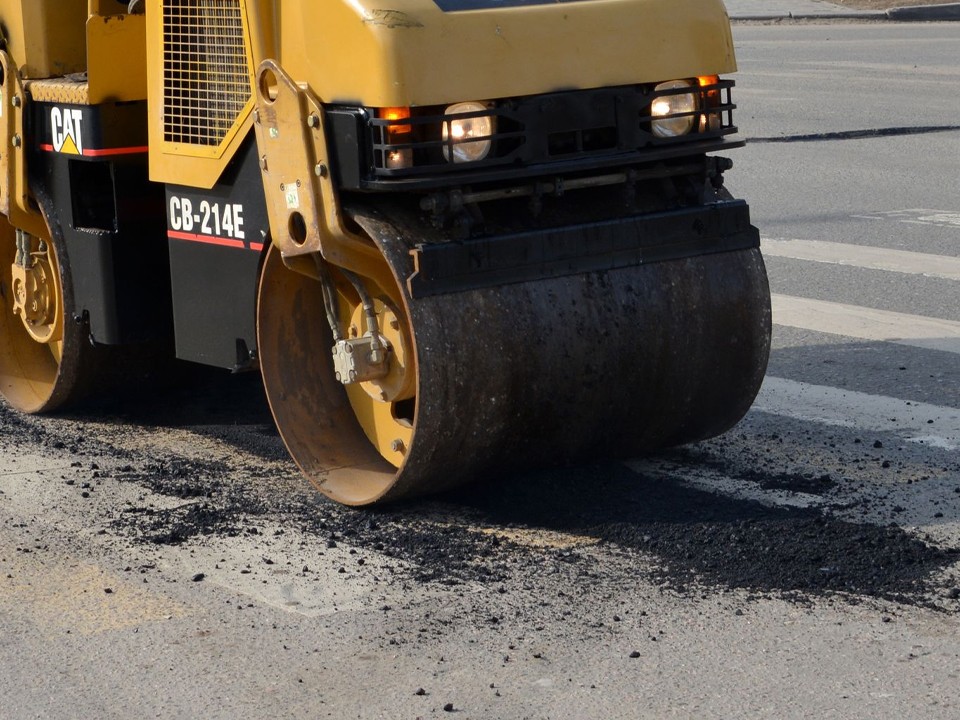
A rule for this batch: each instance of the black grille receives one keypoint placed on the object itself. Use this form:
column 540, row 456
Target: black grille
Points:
column 566, row 126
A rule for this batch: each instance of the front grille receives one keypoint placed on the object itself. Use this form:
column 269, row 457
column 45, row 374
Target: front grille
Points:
column 569, row 126
column 206, row 77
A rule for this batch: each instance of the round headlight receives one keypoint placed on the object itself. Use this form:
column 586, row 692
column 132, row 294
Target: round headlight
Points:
column 666, row 107
column 458, row 133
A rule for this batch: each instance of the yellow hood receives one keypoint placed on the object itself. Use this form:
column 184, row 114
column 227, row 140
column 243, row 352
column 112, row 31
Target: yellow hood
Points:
column 413, row 52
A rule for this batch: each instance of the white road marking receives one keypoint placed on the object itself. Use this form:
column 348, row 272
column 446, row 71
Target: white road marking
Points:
column 863, row 256
column 866, row 323
column 920, row 216
column 932, row 425
column 701, row 477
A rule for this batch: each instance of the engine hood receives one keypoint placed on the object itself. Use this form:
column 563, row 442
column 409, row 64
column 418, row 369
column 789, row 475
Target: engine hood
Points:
column 432, row 52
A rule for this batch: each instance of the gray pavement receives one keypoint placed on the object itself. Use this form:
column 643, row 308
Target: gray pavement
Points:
column 773, row 9
column 167, row 561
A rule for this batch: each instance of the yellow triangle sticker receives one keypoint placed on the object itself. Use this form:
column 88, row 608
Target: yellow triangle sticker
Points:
column 69, row 147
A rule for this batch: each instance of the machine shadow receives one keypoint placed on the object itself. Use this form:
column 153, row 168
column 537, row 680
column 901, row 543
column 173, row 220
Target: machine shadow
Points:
column 696, row 538
column 183, row 394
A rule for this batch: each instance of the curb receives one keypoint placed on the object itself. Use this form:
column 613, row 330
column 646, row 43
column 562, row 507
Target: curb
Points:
column 916, row 13
column 811, row 16
column 926, row 13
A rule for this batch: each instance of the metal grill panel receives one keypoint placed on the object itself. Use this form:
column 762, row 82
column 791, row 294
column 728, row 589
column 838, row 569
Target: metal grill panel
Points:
column 543, row 129
column 206, row 77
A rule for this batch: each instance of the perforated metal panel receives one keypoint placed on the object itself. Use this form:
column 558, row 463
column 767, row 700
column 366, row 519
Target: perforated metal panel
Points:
column 206, row 77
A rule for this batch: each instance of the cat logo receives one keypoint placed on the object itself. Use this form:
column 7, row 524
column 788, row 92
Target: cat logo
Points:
column 66, row 126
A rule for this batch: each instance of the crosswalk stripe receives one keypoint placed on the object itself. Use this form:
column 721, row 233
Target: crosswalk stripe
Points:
column 863, row 256
column 866, row 323
column 932, row 425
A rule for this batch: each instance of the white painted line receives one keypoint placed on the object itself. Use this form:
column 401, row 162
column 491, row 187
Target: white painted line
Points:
column 864, row 256
column 933, row 425
column 922, row 216
column 712, row 481
column 937, row 217
column 866, row 323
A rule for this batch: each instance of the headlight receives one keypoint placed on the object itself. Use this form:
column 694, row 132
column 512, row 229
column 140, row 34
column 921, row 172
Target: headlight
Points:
column 666, row 108
column 458, row 146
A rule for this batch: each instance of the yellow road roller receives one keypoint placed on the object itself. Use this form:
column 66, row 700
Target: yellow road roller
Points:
column 458, row 238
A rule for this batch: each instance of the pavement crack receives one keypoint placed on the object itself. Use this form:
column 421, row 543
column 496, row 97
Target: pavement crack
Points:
column 857, row 134
column 34, row 471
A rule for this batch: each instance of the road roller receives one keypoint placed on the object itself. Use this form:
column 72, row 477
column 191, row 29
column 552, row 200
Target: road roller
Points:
column 459, row 239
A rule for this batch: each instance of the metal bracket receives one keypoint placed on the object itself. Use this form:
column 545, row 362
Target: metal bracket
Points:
column 14, row 184
column 302, row 203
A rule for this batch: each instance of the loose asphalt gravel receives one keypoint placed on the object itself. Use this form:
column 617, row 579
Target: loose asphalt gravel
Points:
column 691, row 538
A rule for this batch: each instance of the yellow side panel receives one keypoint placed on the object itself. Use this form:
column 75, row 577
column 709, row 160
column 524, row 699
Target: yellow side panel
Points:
column 116, row 57
column 45, row 38
column 55, row 38
column 355, row 51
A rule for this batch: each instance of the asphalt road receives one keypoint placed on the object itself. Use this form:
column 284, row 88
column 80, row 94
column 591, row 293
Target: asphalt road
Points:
column 162, row 558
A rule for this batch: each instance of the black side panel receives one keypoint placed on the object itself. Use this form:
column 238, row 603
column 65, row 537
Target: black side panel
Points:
column 94, row 169
column 216, row 239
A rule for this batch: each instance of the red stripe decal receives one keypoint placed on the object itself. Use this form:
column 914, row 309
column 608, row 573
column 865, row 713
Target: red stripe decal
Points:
column 208, row 239
column 100, row 152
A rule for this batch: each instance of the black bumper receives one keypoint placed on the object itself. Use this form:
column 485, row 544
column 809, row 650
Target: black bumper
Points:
column 590, row 247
